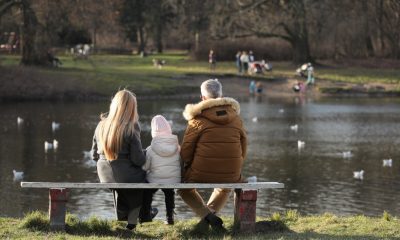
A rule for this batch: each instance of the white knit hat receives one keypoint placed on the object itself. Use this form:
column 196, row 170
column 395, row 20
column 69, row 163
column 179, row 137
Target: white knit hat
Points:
column 160, row 126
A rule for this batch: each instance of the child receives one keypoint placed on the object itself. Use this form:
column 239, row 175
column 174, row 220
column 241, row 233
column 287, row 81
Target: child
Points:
column 252, row 87
column 259, row 87
column 162, row 166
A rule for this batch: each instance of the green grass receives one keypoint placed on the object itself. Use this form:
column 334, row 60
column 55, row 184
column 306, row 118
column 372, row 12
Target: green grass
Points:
column 348, row 74
column 288, row 225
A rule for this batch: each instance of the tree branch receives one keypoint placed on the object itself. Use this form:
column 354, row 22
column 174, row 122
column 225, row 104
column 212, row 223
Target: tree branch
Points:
column 5, row 5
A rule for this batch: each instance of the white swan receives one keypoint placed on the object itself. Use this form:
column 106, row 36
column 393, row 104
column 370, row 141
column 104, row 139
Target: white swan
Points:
column 20, row 120
column 294, row 127
column 252, row 179
column 254, row 119
column 55, row 144
column 358, row 174
column 301, row 144
column 47, row 146
column 18, row 176
column 87, row 154
column 387, row 162
column 55, row 126
column 281, row 110
column 347, row 154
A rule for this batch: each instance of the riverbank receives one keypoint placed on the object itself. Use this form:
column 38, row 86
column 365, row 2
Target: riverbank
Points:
column 286, row 226
column 98, row 77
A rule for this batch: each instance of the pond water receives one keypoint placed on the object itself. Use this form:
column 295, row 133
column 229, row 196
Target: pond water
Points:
column 317, row 178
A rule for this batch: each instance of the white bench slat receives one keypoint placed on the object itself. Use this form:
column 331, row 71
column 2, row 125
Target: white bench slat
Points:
column 256, row 185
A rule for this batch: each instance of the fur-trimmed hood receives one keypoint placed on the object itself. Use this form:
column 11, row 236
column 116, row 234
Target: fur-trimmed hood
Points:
column 193, row 110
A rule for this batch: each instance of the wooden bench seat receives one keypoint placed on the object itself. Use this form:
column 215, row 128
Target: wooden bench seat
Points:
column 245, row 197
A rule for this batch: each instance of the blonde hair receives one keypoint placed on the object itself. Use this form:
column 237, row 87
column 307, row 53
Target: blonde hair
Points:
column 119, row 122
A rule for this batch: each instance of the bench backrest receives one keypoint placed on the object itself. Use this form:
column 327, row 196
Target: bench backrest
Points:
column 256, row 185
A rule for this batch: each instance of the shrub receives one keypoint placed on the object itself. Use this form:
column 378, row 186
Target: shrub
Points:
column 36, row 220
column 291, row 215
column 386, row 216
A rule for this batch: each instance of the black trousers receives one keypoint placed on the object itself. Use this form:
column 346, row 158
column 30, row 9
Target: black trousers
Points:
column 145, row 211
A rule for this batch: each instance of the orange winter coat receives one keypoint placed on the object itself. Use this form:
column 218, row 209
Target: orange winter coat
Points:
column 214, row 144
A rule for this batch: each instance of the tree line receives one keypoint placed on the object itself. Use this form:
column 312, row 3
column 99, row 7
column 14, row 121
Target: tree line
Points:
column 310, row 29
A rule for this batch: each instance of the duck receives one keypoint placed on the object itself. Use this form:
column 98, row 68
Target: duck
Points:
column 18, row 176
column 301, row 144
column 254, row 119
column 387, row 162
column 55, row 126
column 358, row 174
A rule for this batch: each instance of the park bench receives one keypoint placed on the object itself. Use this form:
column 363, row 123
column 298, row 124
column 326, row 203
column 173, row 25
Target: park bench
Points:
column 244, row 203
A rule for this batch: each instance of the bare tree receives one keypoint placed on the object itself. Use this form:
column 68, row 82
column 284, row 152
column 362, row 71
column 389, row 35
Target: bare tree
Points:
column 283, row 19
column 391, row 23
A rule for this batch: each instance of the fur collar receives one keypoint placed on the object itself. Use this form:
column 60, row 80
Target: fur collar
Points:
column 192, row 110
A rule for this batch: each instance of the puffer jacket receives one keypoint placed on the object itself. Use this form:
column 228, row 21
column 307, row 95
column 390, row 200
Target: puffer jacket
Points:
column 162, row 160
column 214, row 145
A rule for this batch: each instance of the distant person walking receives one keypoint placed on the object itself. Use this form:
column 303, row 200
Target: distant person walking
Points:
column 238, row 62
column 310, row 74
column 244, row 59
column 251, row 57
column 212, row 59
column 259, row 88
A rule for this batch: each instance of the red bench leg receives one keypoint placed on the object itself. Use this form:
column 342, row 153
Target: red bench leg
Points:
column 245, row 210
column 57, row 208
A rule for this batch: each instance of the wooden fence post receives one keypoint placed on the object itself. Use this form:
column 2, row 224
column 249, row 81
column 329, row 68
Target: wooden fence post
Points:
column 57, row 207
column 245, row 210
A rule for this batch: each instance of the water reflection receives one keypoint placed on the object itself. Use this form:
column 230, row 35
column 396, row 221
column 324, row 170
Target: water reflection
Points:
column 318, row 179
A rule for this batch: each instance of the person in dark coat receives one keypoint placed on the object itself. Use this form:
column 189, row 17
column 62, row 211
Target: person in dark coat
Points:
column 118, row 151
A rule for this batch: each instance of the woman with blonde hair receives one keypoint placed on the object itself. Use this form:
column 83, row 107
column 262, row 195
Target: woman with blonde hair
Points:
column 119, row 155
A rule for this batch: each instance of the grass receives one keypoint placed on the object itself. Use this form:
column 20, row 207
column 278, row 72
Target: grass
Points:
column 288, row 225
column 102, row 75
column 349, row 74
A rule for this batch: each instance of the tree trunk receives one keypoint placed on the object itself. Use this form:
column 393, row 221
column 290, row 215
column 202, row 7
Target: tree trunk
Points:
column 34, row 50
column 94, row 42
column 367, row 38
column 301, row 51
column 196, row 41
column 158, row 39
column 299, row 34
column 141, row 43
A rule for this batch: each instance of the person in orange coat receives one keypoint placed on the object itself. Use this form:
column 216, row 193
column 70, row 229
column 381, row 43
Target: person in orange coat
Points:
column 213, row 150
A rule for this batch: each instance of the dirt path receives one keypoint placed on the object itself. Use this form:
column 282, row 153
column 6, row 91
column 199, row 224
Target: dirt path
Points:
column 239, row 86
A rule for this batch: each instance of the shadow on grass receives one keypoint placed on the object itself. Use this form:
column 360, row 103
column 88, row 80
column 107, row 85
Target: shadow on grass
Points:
column 202, row 230
column 38, row 221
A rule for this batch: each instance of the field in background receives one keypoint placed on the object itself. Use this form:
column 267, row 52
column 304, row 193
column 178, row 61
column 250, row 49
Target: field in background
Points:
column 101, row 75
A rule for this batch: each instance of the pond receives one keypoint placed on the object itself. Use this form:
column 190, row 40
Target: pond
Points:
column 318, row 178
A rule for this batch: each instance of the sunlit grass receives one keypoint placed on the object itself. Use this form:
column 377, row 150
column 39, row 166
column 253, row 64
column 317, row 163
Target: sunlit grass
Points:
column 106, row 73
column 286, row 225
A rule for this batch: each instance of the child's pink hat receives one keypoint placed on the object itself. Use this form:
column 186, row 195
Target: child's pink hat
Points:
column 160, row 126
